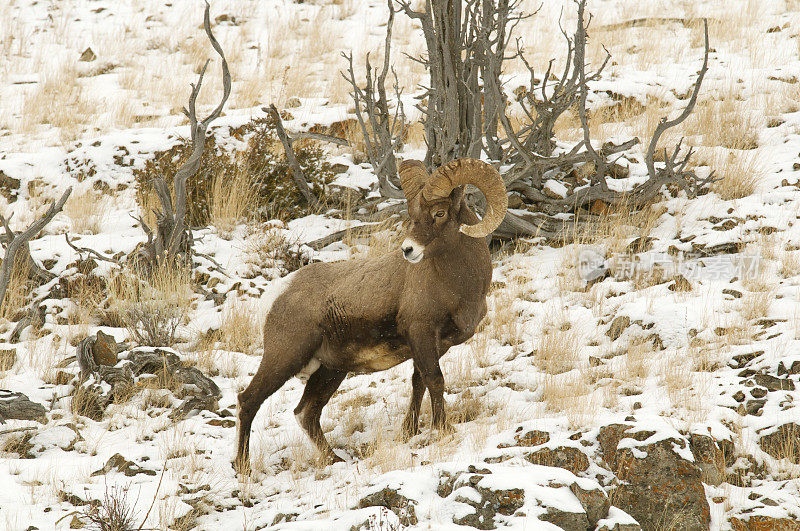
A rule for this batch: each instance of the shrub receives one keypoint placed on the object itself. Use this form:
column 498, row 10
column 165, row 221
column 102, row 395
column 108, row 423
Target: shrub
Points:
column 262, row 168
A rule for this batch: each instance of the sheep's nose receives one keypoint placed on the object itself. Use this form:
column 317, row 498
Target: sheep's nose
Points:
column 407, row 250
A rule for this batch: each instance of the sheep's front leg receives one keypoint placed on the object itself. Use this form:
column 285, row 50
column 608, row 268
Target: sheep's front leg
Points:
column 411, row 422
column 424, row 340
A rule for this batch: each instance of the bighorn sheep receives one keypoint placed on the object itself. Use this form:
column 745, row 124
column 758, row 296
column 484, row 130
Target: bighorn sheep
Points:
column 371, row 314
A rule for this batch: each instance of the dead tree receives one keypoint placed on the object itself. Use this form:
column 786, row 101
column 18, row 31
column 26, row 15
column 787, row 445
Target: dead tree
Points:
column 452, row 106
column 382, row 130
column 525, row 176
column 172, row 242
column 17, row 243
column 465, row 105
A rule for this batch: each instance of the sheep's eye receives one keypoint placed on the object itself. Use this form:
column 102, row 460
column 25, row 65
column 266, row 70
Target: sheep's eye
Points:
column 440, row 213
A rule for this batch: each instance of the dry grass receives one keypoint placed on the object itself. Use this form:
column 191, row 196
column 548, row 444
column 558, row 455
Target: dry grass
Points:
column 468, row 407
column 740, row 173
column 570, row 395
column 87, row 211
column 503, row 321
column 374, row 240
column 59, row 101
column 270, row 248
column 756, row 304
column 556, row 351
column 789, row 264
column 231, row 201
column 785, row 448
column 725, row 123
column 17, row 290
column 151, row 311
column 638, row 362
column 240, row 329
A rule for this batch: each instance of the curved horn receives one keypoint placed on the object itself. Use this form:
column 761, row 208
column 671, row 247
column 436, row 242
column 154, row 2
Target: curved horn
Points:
column 485, row 178
column 412, row 177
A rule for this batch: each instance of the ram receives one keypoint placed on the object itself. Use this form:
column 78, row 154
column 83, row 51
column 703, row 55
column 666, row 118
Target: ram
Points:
column 371, row 314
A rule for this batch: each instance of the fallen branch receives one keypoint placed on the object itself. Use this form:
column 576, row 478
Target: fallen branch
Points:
column 90, row 252
column 321, row 137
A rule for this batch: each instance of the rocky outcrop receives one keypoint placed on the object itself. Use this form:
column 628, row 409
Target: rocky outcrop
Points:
column 712, row 457
column 657, row 483
column 763, row 523
column 400, row 505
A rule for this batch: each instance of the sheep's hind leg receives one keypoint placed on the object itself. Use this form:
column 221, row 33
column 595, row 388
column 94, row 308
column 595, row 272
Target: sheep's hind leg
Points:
column 319, row 390
column 411, row 422
column 273, row 372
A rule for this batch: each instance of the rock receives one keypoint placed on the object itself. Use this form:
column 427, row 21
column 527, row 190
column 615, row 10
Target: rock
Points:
column 733, row 293
column 224, row 423
column 656, row 483
column 18, row 406
column 773, row 383
column 594, row 502
column 618, row 520
column 88, row 55
column 491, row 503
column 782, row 443
column 395, row 502
column 151, row 361
column 754, row 407
column 555, row 189
column 710, row 457
column 618, row 326
column 8, row 357
column 515, row 201
column 293, row 102
column 105, row 349
column 119, row 463
column 159, row 368
column 763, row 523
column 680, row 284
column 598, row 207
column 531, row 438
column 793, row 368
column 566, row 520
column 744, row 359
column 758, row 392
column 566, row 457
column 226, row 18
column 9, row 187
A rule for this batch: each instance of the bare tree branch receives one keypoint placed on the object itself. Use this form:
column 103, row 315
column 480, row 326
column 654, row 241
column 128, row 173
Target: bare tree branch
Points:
column 23, row 238
column 383, row 132
column 172, row 240
column 298, row 176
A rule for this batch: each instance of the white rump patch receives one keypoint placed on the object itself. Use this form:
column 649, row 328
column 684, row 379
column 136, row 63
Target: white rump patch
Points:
column 273, row 291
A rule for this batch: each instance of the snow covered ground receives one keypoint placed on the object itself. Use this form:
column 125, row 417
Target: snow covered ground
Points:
column 711, row 348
